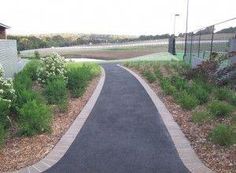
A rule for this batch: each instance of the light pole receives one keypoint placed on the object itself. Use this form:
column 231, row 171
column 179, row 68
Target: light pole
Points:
column 186, row 30
column 176, row 15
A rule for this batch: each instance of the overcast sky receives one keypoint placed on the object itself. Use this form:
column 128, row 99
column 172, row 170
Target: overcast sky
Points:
column 128, row 17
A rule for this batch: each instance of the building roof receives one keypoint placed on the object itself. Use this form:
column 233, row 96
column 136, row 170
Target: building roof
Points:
column 4, row 26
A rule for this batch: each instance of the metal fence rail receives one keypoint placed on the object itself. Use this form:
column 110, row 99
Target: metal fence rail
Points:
column 200, row 44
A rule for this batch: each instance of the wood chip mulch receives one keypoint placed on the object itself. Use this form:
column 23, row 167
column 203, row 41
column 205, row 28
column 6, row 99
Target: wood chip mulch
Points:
column 217, row 158
column 19, row 152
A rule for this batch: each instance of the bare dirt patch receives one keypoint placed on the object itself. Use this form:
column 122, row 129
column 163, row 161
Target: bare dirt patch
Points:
column 218, row 158
column 20, row 152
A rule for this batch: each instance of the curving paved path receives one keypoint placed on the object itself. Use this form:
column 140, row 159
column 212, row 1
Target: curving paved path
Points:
column 123, row 134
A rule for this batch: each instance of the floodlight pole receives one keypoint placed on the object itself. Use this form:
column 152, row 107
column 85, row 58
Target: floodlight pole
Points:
column 186, row 30
column 176, row 15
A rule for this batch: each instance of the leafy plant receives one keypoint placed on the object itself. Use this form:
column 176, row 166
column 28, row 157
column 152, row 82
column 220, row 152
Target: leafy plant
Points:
column 223, row 135
column 35, row 117
column 55, row 91
column 200, row 117
column 219, row 108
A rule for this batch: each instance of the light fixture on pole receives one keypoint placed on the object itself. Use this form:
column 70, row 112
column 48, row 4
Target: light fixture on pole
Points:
column 186, row 31
column 176, row 15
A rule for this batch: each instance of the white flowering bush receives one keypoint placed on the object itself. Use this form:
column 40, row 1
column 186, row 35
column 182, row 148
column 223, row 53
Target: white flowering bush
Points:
column 7, row 97
column 53, row 66
column 7, row 92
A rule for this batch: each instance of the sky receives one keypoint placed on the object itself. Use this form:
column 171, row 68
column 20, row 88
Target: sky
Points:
column 123, row 17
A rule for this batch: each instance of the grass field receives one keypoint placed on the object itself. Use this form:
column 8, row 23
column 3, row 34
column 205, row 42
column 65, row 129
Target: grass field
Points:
column 101, row 54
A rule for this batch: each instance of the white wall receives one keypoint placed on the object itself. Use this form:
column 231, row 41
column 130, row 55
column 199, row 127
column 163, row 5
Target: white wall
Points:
column 8, row 57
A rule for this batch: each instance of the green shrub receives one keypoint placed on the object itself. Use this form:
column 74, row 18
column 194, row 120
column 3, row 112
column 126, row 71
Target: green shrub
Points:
column 179, row 83
column 167, row 86
column 222, row 135
column 31, row 69
column 226, row 95
column 53, row 66
column 158, row 74
column 2, row 134
column 22, row 81
column 219, row 108
column 78, row 78
column 4, row 113
column 35, row 117
column 204, row 84
column 199, row 92
column 24, row 96
column 55, row 90
column 7, row 92
column 186, row 100
column 63, row 106
column 222, row 93
column 149, row 76
column 36, row 55
column 200, row 117
column 232, row 99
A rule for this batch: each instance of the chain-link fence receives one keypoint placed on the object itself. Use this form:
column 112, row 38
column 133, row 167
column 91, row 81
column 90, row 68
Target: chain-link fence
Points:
column 200, row 44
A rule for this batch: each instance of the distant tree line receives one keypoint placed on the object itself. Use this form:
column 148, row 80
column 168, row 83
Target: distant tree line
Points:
column 46, row 41
column 62, row 40
column 35, row 42
column 153, row 37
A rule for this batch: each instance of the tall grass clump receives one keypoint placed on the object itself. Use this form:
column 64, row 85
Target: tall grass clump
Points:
column 200, row 117
column 223, row 135
column 186, row 100
column 149, row 76
column 35, row 118
column 79, row 75
column 167, row 87
column 199, row 92
column 219, row 108
column 180, row 83
column 55, row 90
column 32, row 68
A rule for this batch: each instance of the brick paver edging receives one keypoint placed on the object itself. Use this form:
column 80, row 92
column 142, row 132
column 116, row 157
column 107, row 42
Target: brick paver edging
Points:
column 186, row 153
column 64, row 143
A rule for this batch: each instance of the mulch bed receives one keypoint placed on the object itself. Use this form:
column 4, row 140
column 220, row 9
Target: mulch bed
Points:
column 20, row 152
column 218, row 158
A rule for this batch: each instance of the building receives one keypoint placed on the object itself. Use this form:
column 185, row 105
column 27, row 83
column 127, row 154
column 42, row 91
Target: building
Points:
column 9, row 59
column 3, row 33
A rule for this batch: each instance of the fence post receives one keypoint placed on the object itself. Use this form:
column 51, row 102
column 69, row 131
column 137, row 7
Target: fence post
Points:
column 212, row 38
column 191, row 45
column 199, row 43
column 185, row 45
